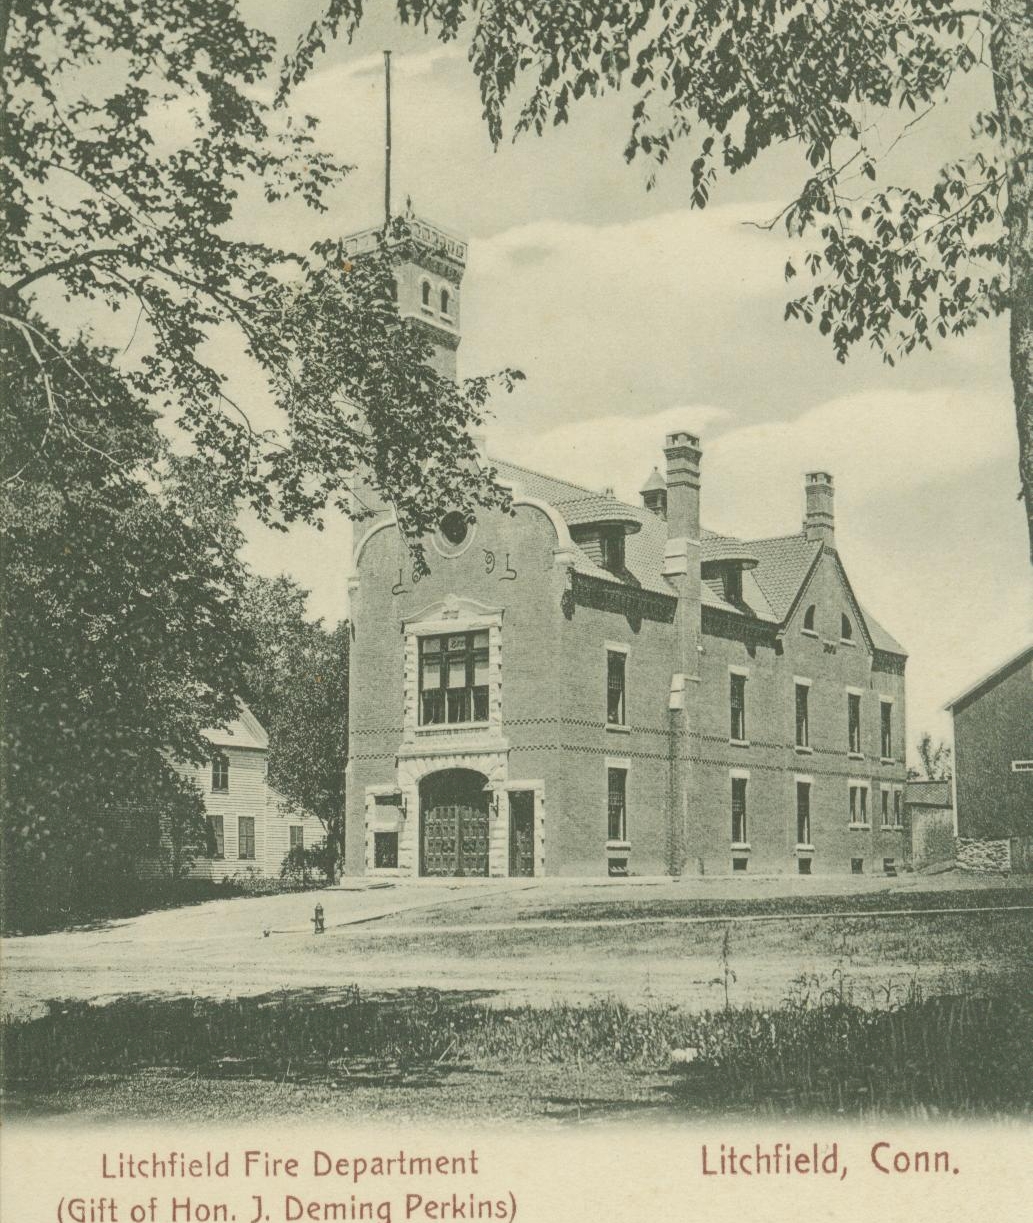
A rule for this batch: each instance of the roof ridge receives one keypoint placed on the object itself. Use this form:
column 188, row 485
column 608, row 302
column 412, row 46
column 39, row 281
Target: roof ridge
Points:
column 545, row 475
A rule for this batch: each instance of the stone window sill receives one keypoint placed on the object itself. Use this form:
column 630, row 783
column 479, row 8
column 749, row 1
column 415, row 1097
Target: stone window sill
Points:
column 804, row 849
column 887, row 760
column 618, row 847
column 855, row 755
column 809, row 632
column 891, row 828
column 740, row 847
column 620, row 728
column 847, row 641
column 441, row 728
column 860, row 827
column 738, row 743
column 802, row 749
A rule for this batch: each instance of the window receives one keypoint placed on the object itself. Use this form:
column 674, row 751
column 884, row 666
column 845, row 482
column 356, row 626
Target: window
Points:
column 615, row 681
column 846, row 629
column 425, row 292
column 732, row 584
column 739, row 811
column 297, row 836
column 889, row 865
column 803, row 866
column 740, row 864
column 246, row 837
column 454, row 527
column 886, row 729
column 858, row 803
column 454, row 678
column 444, row 301
column 803, row 813
column 616, row 804
column 803, row 729
column 738, row 707
column 885, row 808
column 853, row 706
column 218, row 838
column 808, row 619
column 898, row 809
column 857, row 866
column 612, row 543
column 392, row 289
column 385, row 850
column 220, row 774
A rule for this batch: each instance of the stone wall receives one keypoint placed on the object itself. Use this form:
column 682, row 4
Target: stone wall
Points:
column 982, row 854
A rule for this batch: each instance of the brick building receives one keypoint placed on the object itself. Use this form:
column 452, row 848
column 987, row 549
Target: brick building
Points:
column 586, row 687
column 993, row 752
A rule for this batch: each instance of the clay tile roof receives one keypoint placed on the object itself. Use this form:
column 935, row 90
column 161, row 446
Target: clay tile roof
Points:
column 598, row 508
column 922, row 793
column 726, row 548
column 654, row 483
column 783, row 564
column 880, row 638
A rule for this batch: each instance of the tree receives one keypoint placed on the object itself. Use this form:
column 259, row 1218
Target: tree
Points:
column 121, row 636
column 900, row 266
column 937, row 762
column 298, row 688
column 100, row 217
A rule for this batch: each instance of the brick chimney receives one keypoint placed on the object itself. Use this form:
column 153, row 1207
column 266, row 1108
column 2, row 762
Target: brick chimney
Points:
column 683, row 456
column 819, row 521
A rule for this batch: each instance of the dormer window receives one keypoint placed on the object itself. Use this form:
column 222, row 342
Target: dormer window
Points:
column 613, row 551
column 731, row 580
column 446, row 301
column 846, row 629
column 808, row 620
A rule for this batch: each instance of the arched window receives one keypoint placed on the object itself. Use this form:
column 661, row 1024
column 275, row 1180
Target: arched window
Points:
column 846, row 629
column 425, row 292
column 808, row 619
column 445, row 301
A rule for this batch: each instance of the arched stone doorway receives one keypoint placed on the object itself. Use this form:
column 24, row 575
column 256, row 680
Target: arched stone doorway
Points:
column 454, row 816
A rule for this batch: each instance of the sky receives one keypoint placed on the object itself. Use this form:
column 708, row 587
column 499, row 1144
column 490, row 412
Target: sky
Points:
column 632, row 314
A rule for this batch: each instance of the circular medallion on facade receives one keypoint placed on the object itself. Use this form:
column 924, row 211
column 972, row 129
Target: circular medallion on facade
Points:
column 454, row 534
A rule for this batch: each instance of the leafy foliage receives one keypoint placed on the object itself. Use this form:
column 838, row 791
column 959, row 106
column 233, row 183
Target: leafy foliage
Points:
column 121, row 635
column 298, row 689
column 99, row 210
column 936, row 760
column 896, row 265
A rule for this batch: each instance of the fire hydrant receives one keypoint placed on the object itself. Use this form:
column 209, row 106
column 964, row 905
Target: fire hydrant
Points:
column 318, row 925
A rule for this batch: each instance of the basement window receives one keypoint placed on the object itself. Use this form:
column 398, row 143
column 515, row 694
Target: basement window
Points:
column 857, row 866
column 740, row 864
column 385, row 850
column 803, row 866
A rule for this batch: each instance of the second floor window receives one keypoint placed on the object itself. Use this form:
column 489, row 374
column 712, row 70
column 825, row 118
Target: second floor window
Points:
column 246, row 837
column 454, row 678
column 858, row 803
column 886, row 729
column 738, row 707
column 616, row 804
column 615, row 686
column 220, row 774
column 738, row 810
column 853, row 711
column 803, row 728
column 803, row 813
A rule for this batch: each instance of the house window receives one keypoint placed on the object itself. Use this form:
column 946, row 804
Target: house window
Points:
column 803, row 866
column 803, row 813
column 454, row 678
column 385, row 850
column 853, row 707
column 732, row 583
column 898, row 809
column 220, row 774
column 846, row 629
column 738, row 707
column 889, row 865
column 616, row 804
column 425, row 292
column 885, row 808
column 739, row 811
column 612, row 543
column 808, row 619
column 740, row 864
column 858, row 803
column 803, row 728
column 444, row 301
column 857, row 866
column 218, row 838
column 615, row 681
column 886, row 729
column 297, row 836
column 246, row 837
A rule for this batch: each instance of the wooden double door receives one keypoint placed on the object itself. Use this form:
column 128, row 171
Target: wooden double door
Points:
column 454, row 820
